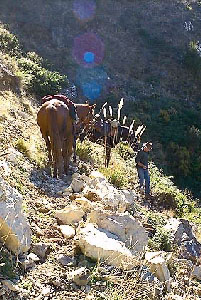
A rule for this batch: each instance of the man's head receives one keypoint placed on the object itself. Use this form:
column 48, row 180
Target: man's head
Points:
column 147, row 146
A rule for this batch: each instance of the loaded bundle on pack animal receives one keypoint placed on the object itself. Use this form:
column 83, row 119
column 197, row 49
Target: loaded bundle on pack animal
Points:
column 109, row 131
column 56, row 126
column 84, row 113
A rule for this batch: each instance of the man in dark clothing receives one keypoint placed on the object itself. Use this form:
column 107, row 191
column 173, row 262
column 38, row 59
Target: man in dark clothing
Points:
column 142, row 168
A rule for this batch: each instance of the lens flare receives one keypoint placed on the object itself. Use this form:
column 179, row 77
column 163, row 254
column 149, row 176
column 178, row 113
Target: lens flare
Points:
column 84, row 10
column 89, row 57
column 92, row 81
column 91, row 90
column 88, row 49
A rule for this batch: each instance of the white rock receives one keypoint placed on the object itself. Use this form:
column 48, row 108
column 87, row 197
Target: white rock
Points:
column 27, row 262
column 107, row 193
column 80, row 276
column 102, row 245
column 77, row 183
column 13, row 155
column 67, row 231
column 14, row 229
column 33, row 257
column 4, row 168
column 129, row 230
column 97, row 174
column 70, row 215
column 86, row 204
column 157, row 262
column 67, row 191
column 46, row 291
column 180, row 230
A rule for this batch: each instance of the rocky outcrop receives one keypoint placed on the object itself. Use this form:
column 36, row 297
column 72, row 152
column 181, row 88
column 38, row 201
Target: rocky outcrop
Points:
column 99, row 189
column 8, row 80
column 67, row 231
column 182, row 235
column 158, row 265
column 102, row 245
column 14, row 229
column 129, row 230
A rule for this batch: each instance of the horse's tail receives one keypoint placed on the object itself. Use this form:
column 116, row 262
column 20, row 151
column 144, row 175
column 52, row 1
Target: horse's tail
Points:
column 54, row 133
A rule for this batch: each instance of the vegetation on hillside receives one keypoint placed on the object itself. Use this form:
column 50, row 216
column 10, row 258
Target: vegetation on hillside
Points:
column 175, row 129
column 29, row 67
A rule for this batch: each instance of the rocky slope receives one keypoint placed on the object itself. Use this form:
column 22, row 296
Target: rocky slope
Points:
column 59, row 265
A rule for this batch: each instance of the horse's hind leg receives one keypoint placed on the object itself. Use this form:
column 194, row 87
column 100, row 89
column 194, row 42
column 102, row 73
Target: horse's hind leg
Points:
column 58, row 165
column 69, row 151
column 48, row 145
column 64, row 154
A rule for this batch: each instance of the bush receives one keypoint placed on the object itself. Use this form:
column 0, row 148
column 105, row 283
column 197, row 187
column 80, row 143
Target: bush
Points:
column 115, row 176
column 125, row 151
column 9, row 44
column 84, row 150
column 23, row 147
column 38, row 80
column 180, row 159
column 161, row 240
column 192, row 59
column 168, row 194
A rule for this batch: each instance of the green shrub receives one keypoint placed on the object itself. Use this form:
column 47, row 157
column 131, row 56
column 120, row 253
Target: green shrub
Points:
column 161, row 240
column 164, row 115
column 168, row 195
column 8, row 264
column 9, row 44
column 125, row 151
column 23, row 147
column 39, row 80
column 180, row 159
column 192, row 59
column 84, row 150
column 115, row 176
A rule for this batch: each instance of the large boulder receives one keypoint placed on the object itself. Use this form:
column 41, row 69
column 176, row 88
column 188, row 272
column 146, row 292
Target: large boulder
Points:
column 158, row 265
column 182, row 235
column 70, row 215
column 14, row 229
column 99, row 189
column 129, row 230
column 102, row 245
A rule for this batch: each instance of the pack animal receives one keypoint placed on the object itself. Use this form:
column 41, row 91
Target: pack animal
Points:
column 56, row 127
column 85, row 113
column 102, row 131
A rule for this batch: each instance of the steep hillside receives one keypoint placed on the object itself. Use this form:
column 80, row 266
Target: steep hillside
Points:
column 168, row 268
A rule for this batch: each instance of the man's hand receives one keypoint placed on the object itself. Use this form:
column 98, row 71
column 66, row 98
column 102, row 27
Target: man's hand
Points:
column 142, row 166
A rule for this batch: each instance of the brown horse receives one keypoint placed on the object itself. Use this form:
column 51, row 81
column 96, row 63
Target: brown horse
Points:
column 85, row 114
column 56, row 127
